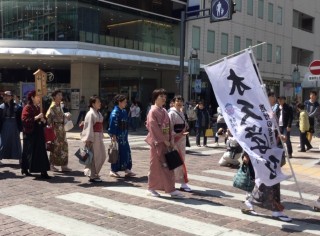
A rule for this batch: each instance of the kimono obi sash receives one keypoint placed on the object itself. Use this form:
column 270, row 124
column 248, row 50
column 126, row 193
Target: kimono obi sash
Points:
column 123, row 125
column 98, row 127
column 165, row 130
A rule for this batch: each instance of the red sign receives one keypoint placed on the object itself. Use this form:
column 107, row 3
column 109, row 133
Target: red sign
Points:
column 315, row 67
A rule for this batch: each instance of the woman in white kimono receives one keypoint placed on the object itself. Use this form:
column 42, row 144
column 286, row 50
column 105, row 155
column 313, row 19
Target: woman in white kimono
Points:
column 92, row 136
column 178, row 127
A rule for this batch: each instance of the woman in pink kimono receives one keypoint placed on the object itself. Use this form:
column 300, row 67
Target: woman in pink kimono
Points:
column 178, row 127
column 160, row 177
column 92, row 136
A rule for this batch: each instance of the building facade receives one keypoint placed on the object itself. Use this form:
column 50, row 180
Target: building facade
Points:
column 93, row 47
column 289, row 30
column 107, row 47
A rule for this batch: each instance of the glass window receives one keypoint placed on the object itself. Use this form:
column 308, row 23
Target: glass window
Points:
column 250, row 7
column 238, row 6
column 279, row 16
column 260, row 8
column 269, row 52
column 224, row 44
column 270, row 12
column 278, row 54
column 248, row 43
column 210, row 41
column 259, row 51
column 195, row 37
column 237, row 44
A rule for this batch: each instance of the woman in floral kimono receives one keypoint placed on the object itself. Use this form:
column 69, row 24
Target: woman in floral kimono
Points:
column 56, row 118
column 118, row 131
column 160, row 177
column 178, row 127
column 92, row 136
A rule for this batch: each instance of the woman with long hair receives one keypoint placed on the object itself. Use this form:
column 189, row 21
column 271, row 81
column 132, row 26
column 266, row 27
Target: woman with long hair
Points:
column 34, row 156
column 118, row 131
column 56, row 118
column 92, row 136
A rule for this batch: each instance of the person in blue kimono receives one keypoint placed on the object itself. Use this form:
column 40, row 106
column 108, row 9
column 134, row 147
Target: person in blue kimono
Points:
column 118, row 131
column 10, row 128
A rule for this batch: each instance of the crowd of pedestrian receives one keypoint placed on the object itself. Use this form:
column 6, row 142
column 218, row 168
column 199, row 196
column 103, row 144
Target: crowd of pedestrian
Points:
column 167, row 130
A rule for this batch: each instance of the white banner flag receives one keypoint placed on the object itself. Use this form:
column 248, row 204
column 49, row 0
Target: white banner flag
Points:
column 247, row 112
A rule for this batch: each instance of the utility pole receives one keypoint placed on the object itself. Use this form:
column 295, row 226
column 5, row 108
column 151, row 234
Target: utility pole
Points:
column 220, row 10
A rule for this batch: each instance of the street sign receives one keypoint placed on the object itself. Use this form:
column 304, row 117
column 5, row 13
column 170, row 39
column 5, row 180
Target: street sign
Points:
column 315, row 67
column 197, row 86
column 221, row 10
column 314, row 78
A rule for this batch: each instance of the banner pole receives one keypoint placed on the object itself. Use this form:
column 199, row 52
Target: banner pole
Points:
column 276, row 124
column 234, row 54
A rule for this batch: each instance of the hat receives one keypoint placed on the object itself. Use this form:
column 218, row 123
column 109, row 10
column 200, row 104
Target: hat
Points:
column 8, row 93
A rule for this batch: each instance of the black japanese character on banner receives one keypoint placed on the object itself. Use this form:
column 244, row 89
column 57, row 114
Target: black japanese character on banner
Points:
column 236, row 83
column 256, row 136
column 275, row 162
column 245, row 109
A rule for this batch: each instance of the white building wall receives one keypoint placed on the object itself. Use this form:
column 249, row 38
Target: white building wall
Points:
column 256, row 29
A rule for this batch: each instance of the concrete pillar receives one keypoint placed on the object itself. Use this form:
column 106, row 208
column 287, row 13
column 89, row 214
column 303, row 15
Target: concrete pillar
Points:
column 84, row 76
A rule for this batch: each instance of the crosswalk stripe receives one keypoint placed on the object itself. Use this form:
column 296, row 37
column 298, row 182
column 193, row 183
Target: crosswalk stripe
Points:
column 284, row 192
column 221, row 210
column 57, row 223
column 296, row 207
column 231, row 174
column 150, row 215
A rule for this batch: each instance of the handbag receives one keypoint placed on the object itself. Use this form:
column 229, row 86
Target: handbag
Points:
column 84, row 155
column 49, row 134
column 113, row 152
column 68, row 125
column 242, row 180
column 173, row 159
column 209, row 132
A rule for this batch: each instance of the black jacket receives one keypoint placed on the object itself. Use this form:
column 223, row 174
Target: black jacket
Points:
column 287, row 115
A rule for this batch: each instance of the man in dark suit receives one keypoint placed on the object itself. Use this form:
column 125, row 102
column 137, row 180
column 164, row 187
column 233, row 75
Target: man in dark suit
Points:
column 285, row 117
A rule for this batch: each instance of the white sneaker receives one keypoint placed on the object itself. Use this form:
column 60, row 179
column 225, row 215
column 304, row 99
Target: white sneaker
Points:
column 176, row 194
column 152, row 193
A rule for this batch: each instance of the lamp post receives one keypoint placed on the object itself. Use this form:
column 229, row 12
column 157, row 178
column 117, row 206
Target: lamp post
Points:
column 194, row 66
column 295, row 77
